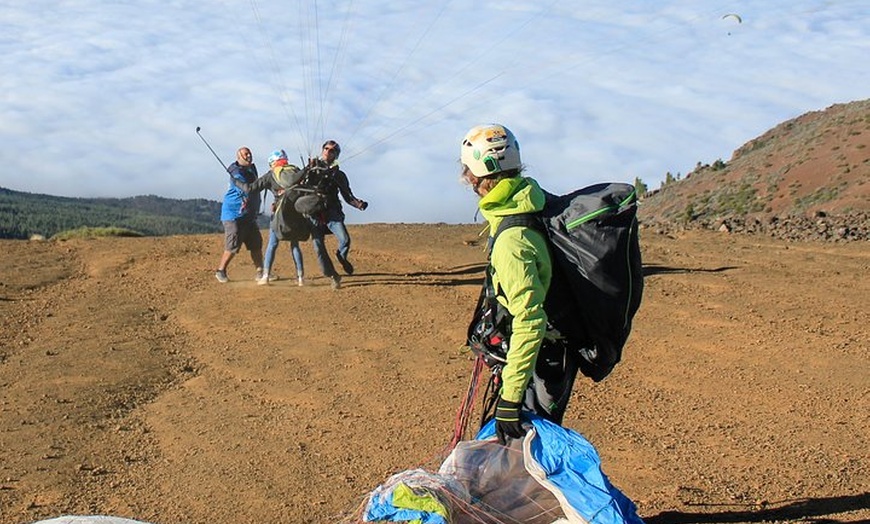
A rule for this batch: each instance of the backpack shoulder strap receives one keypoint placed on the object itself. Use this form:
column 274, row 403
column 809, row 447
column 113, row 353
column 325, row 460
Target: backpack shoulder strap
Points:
column 529, row 220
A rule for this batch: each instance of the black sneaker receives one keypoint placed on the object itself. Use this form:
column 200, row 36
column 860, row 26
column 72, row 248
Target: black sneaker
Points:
column 345, row 263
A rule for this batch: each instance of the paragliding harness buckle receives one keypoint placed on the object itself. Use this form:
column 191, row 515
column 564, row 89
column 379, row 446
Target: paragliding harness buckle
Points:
column 489, row 331
column 488, row 342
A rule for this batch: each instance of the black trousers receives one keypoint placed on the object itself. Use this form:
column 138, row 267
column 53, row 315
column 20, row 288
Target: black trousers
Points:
column 550, row 387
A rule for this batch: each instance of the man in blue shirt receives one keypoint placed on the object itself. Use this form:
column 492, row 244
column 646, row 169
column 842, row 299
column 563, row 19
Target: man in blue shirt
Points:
column 239, row 216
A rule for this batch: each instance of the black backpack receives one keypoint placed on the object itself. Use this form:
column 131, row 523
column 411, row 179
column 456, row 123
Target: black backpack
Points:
column 597, row 280
column 315, row 185
column 288, row 223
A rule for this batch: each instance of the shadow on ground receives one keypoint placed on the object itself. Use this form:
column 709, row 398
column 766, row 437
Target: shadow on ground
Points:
column 805, row 510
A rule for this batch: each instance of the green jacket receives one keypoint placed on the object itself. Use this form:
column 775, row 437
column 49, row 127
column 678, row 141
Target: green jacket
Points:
column 520, row 269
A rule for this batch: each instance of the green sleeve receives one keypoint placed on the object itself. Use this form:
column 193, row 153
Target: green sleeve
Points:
column 521, row 275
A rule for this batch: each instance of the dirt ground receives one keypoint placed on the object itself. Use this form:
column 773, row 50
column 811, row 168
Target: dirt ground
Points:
column 133, row 384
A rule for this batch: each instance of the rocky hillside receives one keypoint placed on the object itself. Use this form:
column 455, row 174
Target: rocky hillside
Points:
column 806, row 179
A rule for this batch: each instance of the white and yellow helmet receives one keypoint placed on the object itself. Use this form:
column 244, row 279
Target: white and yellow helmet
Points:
column 490, row 149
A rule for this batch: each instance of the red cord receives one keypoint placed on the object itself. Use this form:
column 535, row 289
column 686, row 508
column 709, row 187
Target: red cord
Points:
column 460, row 423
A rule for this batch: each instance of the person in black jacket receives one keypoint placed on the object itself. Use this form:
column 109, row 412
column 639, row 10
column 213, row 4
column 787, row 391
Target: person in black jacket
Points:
column 325, row 175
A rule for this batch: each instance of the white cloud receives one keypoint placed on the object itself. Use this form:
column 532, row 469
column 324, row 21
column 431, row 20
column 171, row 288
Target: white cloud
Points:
column 102, row 99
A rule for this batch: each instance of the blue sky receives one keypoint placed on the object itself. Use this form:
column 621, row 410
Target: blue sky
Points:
column 102, row 98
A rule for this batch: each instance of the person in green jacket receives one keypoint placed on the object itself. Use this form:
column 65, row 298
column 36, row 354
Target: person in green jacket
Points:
column 538, row 375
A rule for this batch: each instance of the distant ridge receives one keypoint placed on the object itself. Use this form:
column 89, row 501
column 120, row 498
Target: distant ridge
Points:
column 813, row 167
column 25, row 214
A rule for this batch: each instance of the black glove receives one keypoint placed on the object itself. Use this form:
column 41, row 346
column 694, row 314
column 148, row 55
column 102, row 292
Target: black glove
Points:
column 507, row 420
column 362, row 205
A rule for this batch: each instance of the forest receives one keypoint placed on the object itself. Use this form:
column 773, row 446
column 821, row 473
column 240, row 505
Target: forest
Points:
column 23, row 215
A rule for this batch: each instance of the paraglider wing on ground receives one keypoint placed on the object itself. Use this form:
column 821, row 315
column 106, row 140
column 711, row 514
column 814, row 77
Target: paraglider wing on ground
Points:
column 553, row 475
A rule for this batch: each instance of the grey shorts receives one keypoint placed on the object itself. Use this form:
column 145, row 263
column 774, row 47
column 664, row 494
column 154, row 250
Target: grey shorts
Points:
column 239, row 232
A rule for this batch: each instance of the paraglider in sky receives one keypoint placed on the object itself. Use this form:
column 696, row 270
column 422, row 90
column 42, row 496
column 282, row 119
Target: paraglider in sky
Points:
column 735, row 16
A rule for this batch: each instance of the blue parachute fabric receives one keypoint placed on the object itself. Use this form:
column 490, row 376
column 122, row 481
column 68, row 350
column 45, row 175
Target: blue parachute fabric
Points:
column 568, row 465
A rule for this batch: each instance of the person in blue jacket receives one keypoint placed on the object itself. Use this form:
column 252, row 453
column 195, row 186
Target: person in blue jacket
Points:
column 239, row 216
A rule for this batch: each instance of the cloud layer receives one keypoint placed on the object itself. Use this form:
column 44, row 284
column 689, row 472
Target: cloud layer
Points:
column 102, row 99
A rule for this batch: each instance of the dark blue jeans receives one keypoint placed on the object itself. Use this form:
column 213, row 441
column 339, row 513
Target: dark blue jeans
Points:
column 318, row 232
